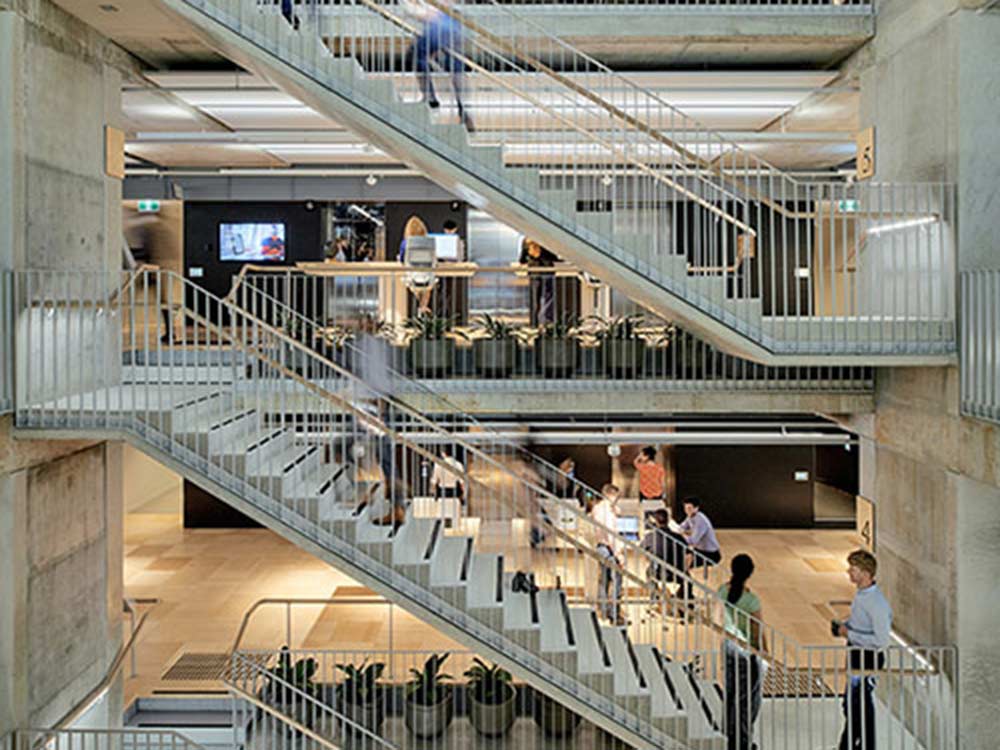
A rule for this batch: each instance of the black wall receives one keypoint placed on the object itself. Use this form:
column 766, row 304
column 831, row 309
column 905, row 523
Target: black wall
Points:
column 747, row 486
column 203, row 510
column 303, row 241
column 838, row 467
column 434, row 215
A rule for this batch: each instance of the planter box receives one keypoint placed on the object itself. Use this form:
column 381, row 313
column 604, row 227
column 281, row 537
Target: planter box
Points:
column 431, row 358
column 429, row 721
column 493, row 720
column 623, row 358
column 556, row 358
column 495, row 358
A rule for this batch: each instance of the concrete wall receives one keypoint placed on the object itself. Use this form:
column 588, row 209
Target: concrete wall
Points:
column 60, row 503
column 61, row 550
column 144, row 480
column 929, row 84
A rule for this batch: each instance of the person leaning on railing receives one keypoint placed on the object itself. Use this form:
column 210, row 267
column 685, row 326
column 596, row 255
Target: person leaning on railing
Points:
column 867, row 633
column 743, row 621
column 609, row 547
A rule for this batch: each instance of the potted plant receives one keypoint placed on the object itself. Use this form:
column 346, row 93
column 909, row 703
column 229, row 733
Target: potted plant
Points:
column 430, row 346
column 429, row 706
column 491, row 698
column 495, row 347
column 556, row 345
column 290, row 685
column 622, row 347
column 553, row 717
column 359, row 696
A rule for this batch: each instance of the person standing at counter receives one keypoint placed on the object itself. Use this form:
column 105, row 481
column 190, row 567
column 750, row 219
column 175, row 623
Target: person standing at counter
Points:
column 543, row 283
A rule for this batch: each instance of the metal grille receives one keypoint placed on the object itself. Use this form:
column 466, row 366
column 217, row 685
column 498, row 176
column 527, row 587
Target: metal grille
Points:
column 198, row 667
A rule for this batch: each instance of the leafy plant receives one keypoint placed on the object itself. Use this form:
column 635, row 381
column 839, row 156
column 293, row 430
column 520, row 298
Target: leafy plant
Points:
column 564, row 327
column 424, row 687
column 489, row 684
column 621, row 328
column 430, row 327
column 335, row 334
column 299, row 674
column 493, row 329
column 360, row 684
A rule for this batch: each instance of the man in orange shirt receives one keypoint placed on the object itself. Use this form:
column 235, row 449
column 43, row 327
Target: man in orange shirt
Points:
column 651, row 474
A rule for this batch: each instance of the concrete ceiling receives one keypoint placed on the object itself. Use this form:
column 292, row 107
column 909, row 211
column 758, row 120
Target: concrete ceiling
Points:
column 212, row 119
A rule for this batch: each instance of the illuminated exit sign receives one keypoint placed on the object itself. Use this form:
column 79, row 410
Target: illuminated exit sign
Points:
column 149, row 207
column 848, row 206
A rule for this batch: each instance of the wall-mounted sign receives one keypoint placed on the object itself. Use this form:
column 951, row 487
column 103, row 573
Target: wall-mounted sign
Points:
column 114, row 152
column 196, row 272
column 149, row 207
column 801, row 476
column 866, row 154
column 850, row 206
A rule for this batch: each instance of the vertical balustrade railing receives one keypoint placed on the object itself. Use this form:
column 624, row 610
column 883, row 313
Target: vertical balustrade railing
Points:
column 980, row 344
column 495, row 335
column 913, row 705
column 101, row 739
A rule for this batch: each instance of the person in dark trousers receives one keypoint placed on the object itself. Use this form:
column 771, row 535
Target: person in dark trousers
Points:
column 289, row 13
column 700, row 534
column 867, row 633
column 441, row 40
column 743, row 621
column 543, row 283
column 667, row 546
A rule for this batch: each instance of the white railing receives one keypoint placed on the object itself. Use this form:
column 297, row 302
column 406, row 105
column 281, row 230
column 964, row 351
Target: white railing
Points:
column 798, row 708
column 497, row 338
column 799, row 268
column 6, row 344
column 316, row 453
column 980, row 350
column 101, row 739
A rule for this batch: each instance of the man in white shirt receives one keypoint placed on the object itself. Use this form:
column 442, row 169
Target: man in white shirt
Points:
column 446, row 479
column 867, row 634
column 609, row 547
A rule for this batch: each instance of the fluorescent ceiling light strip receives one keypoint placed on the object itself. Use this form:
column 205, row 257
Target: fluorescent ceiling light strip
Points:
column 895, row 226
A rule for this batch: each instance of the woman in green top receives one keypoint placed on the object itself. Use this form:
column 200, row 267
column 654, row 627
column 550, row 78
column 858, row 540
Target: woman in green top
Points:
column 743, row 678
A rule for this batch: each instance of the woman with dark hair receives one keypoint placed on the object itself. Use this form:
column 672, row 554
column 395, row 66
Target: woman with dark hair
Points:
column 743, row 621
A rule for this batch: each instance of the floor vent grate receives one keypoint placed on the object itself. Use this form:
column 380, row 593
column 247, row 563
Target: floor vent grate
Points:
column 198, row 667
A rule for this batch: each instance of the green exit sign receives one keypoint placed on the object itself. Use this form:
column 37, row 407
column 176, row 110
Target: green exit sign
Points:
column 848, row 206
column 149, row 207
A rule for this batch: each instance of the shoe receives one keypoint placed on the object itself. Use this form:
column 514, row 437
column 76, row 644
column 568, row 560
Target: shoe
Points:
column 523, row 583
column 433, row 103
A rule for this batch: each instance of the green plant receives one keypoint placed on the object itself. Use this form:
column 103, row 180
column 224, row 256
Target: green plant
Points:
column 621, row 327
column 493, row 329
column 564, row 327
column 488, row 684
column 299, row 674
column 360, row 684
column 424, row 687
column 335, row 334
column 430, row 327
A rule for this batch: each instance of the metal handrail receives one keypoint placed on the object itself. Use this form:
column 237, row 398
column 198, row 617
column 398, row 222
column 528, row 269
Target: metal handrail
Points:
column 289, row 602
column 95, row 694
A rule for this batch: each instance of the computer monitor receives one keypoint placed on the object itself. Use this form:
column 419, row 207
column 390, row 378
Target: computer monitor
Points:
column 628, row 527
column 446, row 246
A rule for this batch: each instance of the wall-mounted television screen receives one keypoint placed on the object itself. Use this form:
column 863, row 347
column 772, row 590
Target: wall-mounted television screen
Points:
column 251, row 242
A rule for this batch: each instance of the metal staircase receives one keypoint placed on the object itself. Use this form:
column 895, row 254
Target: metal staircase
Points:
column 314, row 453
column 629, row 188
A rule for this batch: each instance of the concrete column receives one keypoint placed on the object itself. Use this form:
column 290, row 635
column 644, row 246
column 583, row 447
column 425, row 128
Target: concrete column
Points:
column 930, row 85
column 60, row 502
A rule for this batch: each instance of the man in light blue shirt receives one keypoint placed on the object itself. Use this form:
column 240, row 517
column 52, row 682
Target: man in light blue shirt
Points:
column 703, row 545
column 867, row 634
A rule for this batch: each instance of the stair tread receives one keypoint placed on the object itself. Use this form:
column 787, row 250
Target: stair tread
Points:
column 556, row 629
column 277, row 464
column 449, row 556
column 663, row 700
column 700, row 722
column 410, row 543
column 629, row 677
column 482, row 581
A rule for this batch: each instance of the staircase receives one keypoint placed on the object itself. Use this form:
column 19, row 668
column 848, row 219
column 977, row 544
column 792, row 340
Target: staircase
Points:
column 634, row 191
column 232, row 411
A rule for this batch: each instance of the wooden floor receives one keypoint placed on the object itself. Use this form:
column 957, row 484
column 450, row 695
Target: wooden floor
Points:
column 207, row 579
